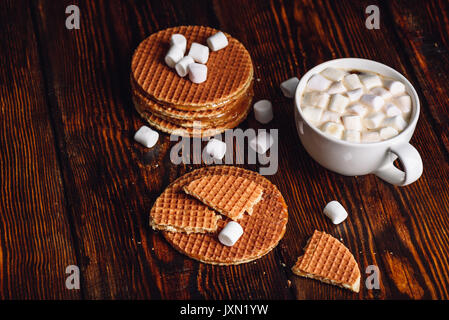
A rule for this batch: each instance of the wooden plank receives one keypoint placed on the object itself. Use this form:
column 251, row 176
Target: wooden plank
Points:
column 112, row 181
column 35, row 237
column 393, row 228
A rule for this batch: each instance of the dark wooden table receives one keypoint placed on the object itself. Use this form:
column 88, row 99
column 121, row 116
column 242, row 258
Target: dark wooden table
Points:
column 76, row 189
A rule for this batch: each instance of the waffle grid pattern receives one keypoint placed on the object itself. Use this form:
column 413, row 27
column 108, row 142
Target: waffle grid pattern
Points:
column 326, row 258
column 262, row 230
column 182, row 213
column 232, row 196
column 229, row 70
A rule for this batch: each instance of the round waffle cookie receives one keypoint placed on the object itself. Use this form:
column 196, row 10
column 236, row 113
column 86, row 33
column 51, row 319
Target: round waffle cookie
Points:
column 229, row 71
column 262, row 229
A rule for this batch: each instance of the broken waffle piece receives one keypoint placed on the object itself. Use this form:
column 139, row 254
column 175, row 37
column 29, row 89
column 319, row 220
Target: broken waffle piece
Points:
column 181, row 213
column 328, row 260
column 229, row 195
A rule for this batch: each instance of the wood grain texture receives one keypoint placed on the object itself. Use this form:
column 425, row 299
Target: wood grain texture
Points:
column 35, row 238
column 66, row 93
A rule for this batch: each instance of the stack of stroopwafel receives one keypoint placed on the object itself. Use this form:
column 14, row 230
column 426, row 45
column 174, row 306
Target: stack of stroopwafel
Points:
column 176, row 105
column 328, row 260
column 174, row 212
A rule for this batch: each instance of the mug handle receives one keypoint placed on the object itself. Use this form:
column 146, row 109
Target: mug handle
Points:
column 411, row 162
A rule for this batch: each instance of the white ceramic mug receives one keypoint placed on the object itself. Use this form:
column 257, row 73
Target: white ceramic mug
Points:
column 354, row 159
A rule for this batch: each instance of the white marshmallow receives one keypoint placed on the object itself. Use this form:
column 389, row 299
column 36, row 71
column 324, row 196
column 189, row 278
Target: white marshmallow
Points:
column 312, row 114
column 333, row 74
column 333, row 129
column 199, row 53
column 318, row 83
column 262, row 142
column 352, row 123
column 263, row 111
column 315, row 99
column 371, row 81
column 381, row 92
column 388, row 132
column 216, row 148
column 197, row 72
column 180, row 41
column 391, row 110
column 396, row 122
column 357, row 109
column 230, row 233
column 404, row 103
column 374, row 120
column 352, row 82
column 217, row 42
column 336, row 87
column 173, row 56
column 288, row 87
column 395, row 87
column 352, row 136
column 330, row 116
column 370, row 136
column 336, row 212
column 375, row 102
column 182, row 67
column 338, row 103
column 146, row 136
column 355, row 94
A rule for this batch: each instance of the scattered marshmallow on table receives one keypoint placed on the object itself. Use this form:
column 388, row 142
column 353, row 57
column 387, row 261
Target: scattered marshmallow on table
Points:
column 404, row 103
column 371, row 81
column 262, row 142
column 336, row 212
column 197, row 72
column 352, row 82
column 199, row 53
column 352, row 122
column 355, row 94
column 357, row 109
column 180, row 41
column 288, row 87
column 230, row 233
column 146, row 136
column 337, row 87
column 374, row 120
column 312, row 114
column 333, row 74
column 216, row 148
column 395, row 87
column 318, row 83
column 375, row 102
column 351, row 136
column 388, row 132
column 182, row 67
column 370, row 136
column 396, row 122
column 333, row 129
column 217, row 41
column 173, row 56
column 338, row 103
column 263, row 111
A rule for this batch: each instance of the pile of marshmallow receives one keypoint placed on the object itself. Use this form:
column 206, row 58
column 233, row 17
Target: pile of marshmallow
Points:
column 194, row 62
column 356, row 107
